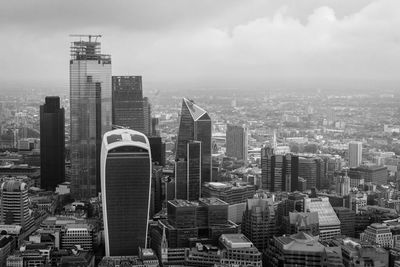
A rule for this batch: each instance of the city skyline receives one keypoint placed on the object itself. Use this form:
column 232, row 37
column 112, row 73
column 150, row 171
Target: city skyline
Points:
column 323, row 45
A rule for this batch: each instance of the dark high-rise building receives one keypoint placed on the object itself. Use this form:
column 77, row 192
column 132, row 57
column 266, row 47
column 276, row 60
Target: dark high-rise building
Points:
column 313, row 171
column 125, row 183
column 157, row 150
column 52, row 143
column 188, row 173
column 279, row 172
column 128, row 105
column 195, row 125
column 236, row 142
column 90, row 102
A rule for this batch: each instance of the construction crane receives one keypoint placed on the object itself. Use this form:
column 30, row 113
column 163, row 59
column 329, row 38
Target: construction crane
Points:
column 87, row 35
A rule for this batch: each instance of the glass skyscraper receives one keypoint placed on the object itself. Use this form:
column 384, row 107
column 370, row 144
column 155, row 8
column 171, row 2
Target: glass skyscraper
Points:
column 195, row 125
column 125, row 186
column 90, row 103
column 52, row 143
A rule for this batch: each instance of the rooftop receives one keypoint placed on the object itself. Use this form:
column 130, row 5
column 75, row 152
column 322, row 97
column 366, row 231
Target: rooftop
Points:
column 212, row 201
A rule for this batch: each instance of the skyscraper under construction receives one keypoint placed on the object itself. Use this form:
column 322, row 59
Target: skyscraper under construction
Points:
column 90, row 103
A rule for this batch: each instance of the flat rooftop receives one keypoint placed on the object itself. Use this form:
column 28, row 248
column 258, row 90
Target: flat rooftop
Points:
column 212, row 201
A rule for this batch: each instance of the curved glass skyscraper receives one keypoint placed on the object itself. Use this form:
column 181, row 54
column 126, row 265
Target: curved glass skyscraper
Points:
column 125, row 186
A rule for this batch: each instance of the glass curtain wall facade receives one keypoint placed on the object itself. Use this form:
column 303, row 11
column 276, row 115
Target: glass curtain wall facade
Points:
column 195, row 125
column 90, row 103
column 125, row 183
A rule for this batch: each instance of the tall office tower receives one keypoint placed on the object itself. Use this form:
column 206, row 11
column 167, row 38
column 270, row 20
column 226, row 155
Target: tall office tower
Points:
column 355, row 154
column 52, row 143
column 157, row 150
column 15, row 204
column 236, row 142
column 259, row 221
column 125, row 186
column 187, row 173
column 313, row 171
column 128, row 105
column 329, row 224
column 279, row 172
column 90, row 103
column 195, row 125
column 343, row 185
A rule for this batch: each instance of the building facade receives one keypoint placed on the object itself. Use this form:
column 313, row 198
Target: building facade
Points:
column 355, row 154
column 90, row 103
column 125, row 183
column 52, row 144
column 236, row 142
column 279, row 172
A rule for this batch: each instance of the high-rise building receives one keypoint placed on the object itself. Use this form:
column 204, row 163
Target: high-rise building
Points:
column 188, row 173
column 343, row 185
column 279, row 172
column 232, row 193
column 369, row 174
column 355, row 154
column 15, row 204
column 239, row 251
column 236, row 141
column 313, row 171
column 157, row 150
column 147, row 116
column 329, row 224
column 90, row 103
column 52, row 143
column 194, row 125
column 125, row 183
column 128, row 105
column 259, row 221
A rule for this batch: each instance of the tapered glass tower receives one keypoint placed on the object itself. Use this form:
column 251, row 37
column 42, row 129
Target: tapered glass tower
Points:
column 125, row 186
column 195, row 125
column 90, row 104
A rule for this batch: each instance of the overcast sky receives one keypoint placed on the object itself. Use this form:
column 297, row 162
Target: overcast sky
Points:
column 218, row 44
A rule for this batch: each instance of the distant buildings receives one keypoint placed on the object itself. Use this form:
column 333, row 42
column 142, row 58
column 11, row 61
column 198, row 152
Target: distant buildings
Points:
column 279, row 172
column 52, row 144
column 313, row 171
column 125, row 183
column 355, row 154
column 90, row 104
column 236, row 142
column 369, row 174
